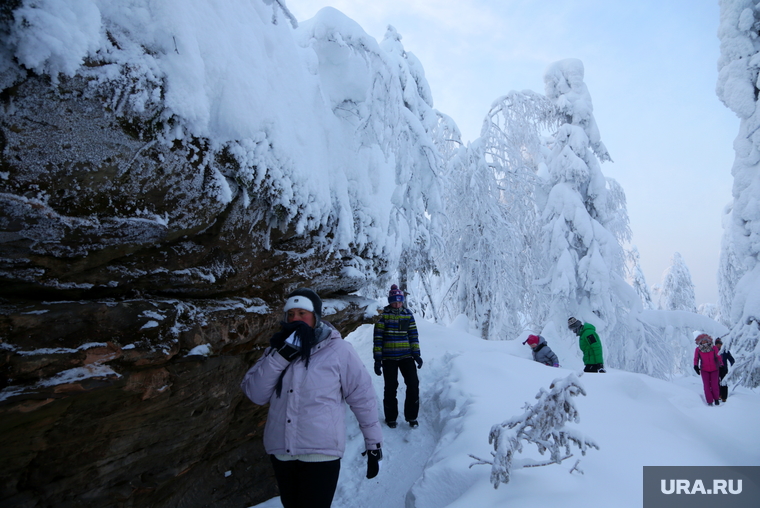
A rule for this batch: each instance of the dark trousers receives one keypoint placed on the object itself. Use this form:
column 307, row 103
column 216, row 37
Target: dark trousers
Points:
column 723, row 389
column 390, row 374
column 306, row 484
column 594, row 367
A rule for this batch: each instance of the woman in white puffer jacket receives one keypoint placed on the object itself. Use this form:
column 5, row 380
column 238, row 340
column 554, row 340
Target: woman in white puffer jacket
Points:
column 305, row 376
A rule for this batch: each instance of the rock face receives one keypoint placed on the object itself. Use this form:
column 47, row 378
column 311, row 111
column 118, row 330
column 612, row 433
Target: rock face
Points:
column 121, row 257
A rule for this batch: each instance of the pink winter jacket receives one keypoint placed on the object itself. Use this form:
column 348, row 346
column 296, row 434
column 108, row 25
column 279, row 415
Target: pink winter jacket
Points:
column 309, row 416
column 710, row 360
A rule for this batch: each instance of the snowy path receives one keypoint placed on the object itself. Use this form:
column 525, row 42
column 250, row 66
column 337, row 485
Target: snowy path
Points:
column 467, row 385
column 405, row 450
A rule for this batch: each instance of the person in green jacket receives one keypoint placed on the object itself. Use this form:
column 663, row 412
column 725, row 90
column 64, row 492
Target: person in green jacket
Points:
column 590, row 344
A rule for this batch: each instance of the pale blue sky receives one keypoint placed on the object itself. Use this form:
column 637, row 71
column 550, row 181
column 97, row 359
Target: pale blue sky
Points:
column 651, row 68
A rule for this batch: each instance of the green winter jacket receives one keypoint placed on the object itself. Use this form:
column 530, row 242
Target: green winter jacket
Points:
column 590, row 344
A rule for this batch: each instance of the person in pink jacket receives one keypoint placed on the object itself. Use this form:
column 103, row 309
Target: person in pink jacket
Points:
column 707, row 355
column 305, row 375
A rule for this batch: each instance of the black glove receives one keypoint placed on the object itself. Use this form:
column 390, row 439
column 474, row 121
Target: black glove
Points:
column 288, row 352
column 373, row 461
column 418, row 359
column 286, row 330
column 696, row 369
column 378, row 367
column 302, row 331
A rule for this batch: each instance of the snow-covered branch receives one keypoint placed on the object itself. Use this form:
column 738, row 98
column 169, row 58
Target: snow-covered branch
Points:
column 542, row 424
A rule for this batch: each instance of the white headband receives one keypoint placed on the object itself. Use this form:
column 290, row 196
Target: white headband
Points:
column 299, row 302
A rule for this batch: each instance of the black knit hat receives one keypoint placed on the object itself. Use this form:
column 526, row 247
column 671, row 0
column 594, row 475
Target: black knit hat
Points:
column 311, row 297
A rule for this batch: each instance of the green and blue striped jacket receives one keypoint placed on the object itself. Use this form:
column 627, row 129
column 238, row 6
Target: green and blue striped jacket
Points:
column 395, row 335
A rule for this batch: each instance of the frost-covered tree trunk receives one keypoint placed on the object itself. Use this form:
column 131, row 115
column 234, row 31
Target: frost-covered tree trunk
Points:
column 584, row 216
column 677, row 289
column 738, row 65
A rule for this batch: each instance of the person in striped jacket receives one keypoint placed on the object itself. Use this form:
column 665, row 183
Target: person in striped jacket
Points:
column 396, row 347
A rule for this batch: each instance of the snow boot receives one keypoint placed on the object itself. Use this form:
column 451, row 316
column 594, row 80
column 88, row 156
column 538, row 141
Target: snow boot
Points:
column 413, row 424
column 392, row 425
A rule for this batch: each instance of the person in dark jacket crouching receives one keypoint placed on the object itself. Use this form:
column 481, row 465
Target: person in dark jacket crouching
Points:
column 396, row 347
column 542, row 353
column 305, row 375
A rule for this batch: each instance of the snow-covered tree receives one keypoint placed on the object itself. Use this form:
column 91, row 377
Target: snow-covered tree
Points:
column 709, row 310
column 492, row 241
column 739, row 67
column 584, row 214
column 729, row 269
column 417, row 198
column 432, row 285
column 677, row 289
column 380, row 97
column 637, row 280
column 481, row 243
column 515, row 150
column 542, row 424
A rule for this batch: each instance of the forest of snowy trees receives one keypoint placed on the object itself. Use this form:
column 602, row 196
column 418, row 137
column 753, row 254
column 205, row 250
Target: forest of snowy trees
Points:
column 543, row 234
column 516, row 230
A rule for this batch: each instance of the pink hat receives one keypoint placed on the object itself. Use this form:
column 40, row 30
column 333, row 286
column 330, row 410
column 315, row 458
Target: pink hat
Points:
column 532, row 339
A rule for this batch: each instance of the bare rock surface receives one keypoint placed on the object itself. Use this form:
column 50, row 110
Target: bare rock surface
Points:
column 136, row 288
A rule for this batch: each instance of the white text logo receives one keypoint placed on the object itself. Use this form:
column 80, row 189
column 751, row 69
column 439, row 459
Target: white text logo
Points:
column 698, row 487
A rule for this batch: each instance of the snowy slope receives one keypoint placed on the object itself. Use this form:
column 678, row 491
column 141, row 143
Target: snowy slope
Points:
column 468, row 384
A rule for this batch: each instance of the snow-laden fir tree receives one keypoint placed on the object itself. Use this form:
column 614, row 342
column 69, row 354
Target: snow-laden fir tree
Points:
column 584, row 215
column 645, row 349
column 671, row 328
column 637, row 280
column 677, row 289
column 542, row 424
column 729, row 269
column 709, row 310
column 739, row 66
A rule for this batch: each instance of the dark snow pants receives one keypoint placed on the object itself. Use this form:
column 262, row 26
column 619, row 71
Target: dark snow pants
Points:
column 306, row 484
column 594, row 367
column 390, row 374
column 723, row 388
